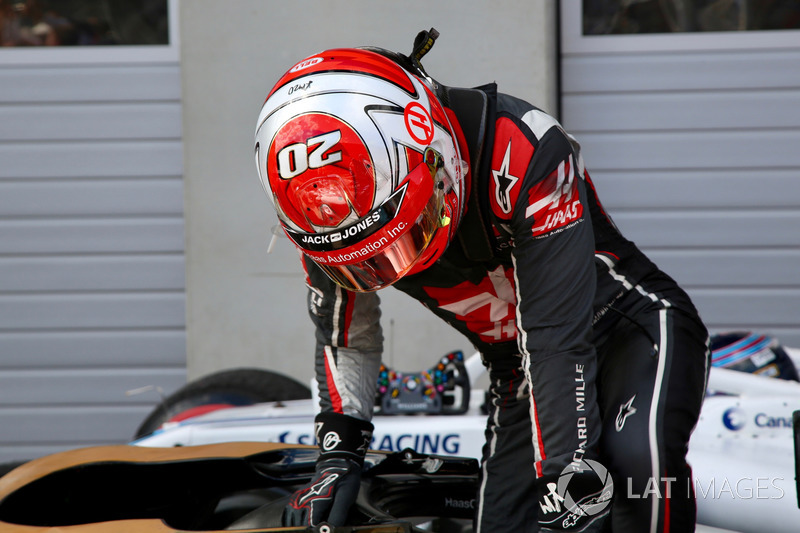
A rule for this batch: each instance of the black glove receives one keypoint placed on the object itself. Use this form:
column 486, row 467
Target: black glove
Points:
column 328, row 497
column 343, row 443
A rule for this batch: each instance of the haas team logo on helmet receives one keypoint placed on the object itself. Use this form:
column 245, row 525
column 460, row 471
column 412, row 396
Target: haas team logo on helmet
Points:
column 363, row 165
column 419, row 123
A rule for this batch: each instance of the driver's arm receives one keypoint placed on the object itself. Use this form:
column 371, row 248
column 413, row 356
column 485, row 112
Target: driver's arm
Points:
column 349, row 344
column 555, row 272
column 348, row 355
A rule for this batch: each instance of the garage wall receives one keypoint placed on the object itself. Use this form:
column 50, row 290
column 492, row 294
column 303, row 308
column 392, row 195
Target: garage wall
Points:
column 91, row 244
column 92, row 195
column 692, row 141
column 246, row 307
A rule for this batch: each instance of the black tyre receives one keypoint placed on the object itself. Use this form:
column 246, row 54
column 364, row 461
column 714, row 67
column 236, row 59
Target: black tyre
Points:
column 238, row 386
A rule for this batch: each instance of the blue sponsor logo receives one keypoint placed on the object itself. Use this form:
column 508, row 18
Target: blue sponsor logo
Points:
column 733, row 418
column 419, row 442
column 763, row 420
column 423, row 443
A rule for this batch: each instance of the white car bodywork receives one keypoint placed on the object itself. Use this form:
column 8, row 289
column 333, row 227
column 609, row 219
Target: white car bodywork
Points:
column 742, row 451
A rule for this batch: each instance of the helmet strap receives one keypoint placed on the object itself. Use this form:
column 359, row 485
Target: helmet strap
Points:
column 422, row 45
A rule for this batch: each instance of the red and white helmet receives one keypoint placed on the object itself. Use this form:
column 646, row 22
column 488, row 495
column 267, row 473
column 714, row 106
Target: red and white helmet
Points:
column 363, row 164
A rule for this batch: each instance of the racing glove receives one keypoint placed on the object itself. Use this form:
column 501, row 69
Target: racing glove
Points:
column 343, row 442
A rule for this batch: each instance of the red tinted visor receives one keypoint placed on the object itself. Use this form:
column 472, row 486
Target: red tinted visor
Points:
column 382, row 247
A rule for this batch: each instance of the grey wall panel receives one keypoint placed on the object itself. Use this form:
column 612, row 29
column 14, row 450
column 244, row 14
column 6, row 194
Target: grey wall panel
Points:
column 711, row 229
column 90, row 83
column 91, row 121
column 750, row 308
column 23, row 452
column 91, row 159
column 92, row 273
column 692, row 149
column 70, row 425
column 706, row 267
column 132, row 348
column 91, row 311
column 694, row 154
column 92, row 269
column 67, row 236
column 696, row 188
column 84, row 386
column 688, row 70
column 682, row 110
column 95, row 197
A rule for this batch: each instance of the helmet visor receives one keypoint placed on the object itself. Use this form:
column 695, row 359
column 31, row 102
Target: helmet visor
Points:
column 393, row 260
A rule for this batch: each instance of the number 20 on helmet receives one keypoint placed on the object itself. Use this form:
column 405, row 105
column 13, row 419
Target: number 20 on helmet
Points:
column 364, row 165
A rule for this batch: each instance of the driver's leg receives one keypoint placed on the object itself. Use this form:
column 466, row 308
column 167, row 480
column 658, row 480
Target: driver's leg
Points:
column 650, row 389
column 507, row 495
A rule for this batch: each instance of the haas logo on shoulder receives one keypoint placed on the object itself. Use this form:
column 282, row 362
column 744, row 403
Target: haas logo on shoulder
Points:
column 554, row 202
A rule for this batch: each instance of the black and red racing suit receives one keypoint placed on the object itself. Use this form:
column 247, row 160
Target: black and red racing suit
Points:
column 592, row 351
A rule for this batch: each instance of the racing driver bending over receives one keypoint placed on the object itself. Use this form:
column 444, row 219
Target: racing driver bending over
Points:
column 478, row 205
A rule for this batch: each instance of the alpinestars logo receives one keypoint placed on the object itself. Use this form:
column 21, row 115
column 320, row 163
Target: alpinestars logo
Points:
column 504, row 182
column 625, row 410
column 321, row 489
column 510, row 160
column 366, row 437
column 554, row 202
column 331, row 441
